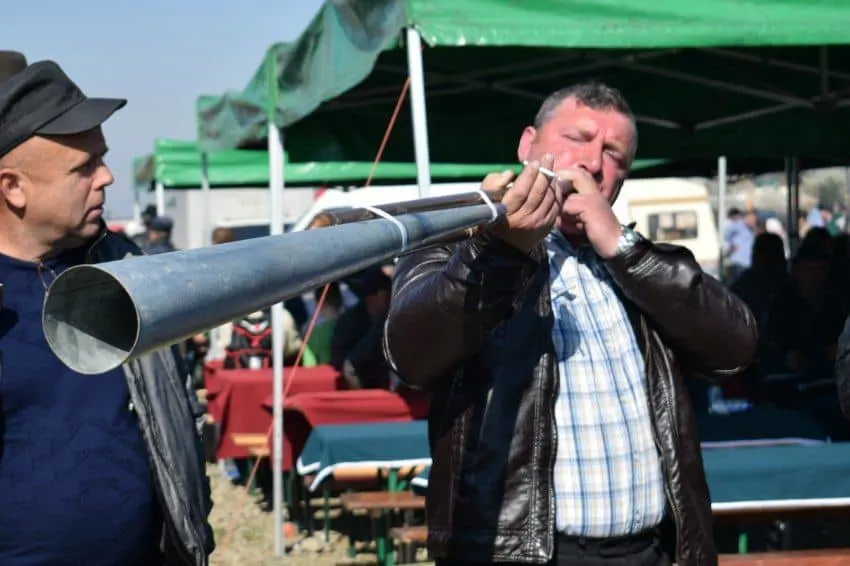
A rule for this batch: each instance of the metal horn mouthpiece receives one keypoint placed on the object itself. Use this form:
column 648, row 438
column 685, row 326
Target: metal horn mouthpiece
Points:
column 98, row 317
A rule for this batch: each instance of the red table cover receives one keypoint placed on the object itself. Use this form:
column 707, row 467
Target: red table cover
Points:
column 235, row 399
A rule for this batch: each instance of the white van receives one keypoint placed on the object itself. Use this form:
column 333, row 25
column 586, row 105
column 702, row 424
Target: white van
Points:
column 665, row 210
column 673, row 210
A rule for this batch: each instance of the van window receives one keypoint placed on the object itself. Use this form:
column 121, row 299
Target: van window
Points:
column 670, row 226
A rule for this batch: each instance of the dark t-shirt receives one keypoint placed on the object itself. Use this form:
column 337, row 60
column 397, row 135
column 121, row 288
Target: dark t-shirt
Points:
column 75, row 481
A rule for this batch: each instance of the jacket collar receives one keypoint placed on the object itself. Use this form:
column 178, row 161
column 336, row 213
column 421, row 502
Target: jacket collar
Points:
column 110, row 246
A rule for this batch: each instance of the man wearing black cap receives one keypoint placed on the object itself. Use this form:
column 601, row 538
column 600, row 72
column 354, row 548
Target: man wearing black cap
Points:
column 93, row 469
column 159, row 235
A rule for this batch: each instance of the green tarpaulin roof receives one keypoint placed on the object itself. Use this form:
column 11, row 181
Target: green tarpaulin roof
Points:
column 705, row 77
column 177, row 164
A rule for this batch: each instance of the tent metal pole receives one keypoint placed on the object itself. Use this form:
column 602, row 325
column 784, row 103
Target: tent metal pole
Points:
column 160, row 198
column 418, row 112
column 207, row 196
column 276, row 186
column 276, row 181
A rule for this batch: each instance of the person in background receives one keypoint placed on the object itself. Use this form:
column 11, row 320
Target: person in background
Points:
column 818, row 216
column 773, row 225
column 159, row 236
column 837, row 222
column 758, row 287
column 96, row 470
column 322, row 335
column 806, row 315
column 738, row 239
column 140, row 233
column 356, row 344
column 766, row 276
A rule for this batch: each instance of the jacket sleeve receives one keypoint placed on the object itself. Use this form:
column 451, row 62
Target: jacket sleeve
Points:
column 446, row 300
column 842, row 369
column 711, row 329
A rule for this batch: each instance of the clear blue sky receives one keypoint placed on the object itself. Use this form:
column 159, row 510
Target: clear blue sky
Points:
column 159, row 55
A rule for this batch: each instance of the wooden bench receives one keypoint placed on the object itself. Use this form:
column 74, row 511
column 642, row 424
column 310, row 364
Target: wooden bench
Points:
column 410, row 535
column 249, row 440
column 378, row 501
column 408, row 538
column 821, row 557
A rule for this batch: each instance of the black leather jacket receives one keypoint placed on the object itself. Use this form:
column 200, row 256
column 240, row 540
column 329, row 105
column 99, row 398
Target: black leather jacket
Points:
column 171, row 421
column 842, row 368
column 471, row 323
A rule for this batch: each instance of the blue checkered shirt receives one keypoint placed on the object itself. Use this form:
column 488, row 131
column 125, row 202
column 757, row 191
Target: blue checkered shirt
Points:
column 608, row 476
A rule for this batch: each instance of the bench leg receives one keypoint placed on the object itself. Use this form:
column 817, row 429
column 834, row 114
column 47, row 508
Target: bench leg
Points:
column 349, row 521
column 326, row 505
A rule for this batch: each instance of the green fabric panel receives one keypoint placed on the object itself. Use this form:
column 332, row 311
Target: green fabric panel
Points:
column 628, row 24
column 489, row 63
column 177, row 164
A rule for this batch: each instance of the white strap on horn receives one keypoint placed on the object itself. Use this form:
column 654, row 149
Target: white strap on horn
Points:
column 489, row 202
column 387, row 216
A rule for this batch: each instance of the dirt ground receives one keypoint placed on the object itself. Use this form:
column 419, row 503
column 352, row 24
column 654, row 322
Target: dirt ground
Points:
column 244, row 534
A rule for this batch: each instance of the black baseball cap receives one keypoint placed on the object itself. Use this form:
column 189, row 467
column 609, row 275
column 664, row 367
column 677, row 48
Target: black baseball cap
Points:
column 42, row 100
column 11, row 63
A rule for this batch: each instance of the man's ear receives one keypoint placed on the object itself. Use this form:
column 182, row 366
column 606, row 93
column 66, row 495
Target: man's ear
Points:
column 525, row 141
column 12, row 187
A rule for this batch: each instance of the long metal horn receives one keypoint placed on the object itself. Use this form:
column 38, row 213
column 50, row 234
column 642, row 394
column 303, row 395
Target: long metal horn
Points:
column 98, row 317
column 346, row 215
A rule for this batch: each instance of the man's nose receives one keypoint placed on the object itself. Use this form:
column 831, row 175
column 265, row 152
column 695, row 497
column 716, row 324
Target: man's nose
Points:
column 590, row 159
column 104, row 177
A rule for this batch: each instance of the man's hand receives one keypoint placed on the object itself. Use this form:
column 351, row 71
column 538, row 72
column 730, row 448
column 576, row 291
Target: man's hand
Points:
column 533, row 205
column 593, row 212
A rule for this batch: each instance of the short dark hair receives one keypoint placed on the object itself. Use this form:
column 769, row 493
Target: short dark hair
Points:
column 593, row 94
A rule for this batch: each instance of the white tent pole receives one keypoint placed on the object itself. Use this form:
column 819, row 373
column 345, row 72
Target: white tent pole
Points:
column 160, row 198
column 276, row 182
column 417, row 107
column 207, row 196
column 721, row 212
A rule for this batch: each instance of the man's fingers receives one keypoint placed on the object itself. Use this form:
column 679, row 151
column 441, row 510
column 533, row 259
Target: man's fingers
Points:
column 539, row 187
column 574, row 204
column 536, row 194
column 496, row 181
column 516, row 196
column 579, row 180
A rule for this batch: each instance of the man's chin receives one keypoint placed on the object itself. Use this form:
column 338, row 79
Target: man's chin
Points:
column 88, row 230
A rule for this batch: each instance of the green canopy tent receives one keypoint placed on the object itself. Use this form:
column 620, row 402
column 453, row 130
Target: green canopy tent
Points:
column 765, row 78
column 177, row 164
column 755, row 79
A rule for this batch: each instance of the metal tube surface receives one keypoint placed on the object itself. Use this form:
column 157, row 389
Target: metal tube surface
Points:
column 345, row 215
column 98, row 317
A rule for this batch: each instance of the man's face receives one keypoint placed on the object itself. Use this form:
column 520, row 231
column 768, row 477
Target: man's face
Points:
column 56, row 185
column 600, row 141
